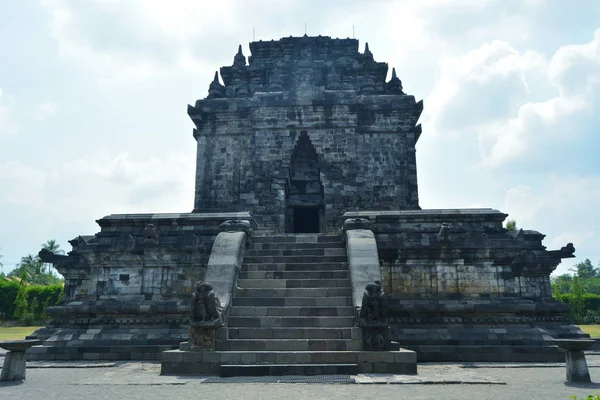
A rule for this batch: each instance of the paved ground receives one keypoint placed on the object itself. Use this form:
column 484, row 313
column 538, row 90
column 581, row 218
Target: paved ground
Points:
column 435, row 381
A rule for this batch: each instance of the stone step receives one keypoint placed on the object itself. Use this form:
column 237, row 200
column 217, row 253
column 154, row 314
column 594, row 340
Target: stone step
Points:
column 294, row 292
column 318, row 274
column 293, row 301
column 257, row 311
column 298, row 238
column 309, row 266
column 398, row 357
column 294, row 259
column 290, row 345
column 287, row 322
column 295, row 252
column 287, row 369
column 294, row 333
column 292, row 283
column 286, row 246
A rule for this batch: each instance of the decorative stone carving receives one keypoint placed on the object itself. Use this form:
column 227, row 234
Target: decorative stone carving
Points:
column 50, row 257
column 276, row 80
column 367, row 85
column 443, row 235
column 206, row 317
column 205, row 307
column 373, row 318
column 150, row 234
column 216, row 90
column 334, row 81
column 394, row 86
column 357, row 223
column 568, row 250
column 237, row 225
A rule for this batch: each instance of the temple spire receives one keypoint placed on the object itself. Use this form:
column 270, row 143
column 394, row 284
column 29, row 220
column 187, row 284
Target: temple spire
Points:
column 394, row 86
column 239, row 58
column 368, row 54
column 216, row 90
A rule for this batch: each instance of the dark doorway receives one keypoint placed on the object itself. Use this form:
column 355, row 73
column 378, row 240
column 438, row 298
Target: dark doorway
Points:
column 305, row 202
column 306, row 220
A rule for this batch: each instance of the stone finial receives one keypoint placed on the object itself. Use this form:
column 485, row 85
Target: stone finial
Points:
column 394, row 86
column 368, row 53
column 216, row 90
column 333, row 80
column 239, row 59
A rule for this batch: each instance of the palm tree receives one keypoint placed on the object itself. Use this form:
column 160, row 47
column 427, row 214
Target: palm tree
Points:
column 28, row 269
column 54, row 247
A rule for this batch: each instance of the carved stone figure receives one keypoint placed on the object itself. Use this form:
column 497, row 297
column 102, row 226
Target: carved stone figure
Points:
column 443, row 235
column 150, row 234
column 205, row 307
column 568, row 250
column 206, row 317
column 373, row 318
column 333, row 80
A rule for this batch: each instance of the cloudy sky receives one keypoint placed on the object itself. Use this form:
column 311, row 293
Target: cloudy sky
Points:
column 93, row 97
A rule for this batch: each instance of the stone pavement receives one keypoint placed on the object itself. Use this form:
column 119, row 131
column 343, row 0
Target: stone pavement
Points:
column 133, row 380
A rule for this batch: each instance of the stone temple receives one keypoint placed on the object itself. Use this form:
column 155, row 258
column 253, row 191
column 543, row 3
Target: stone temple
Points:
column 307, row 226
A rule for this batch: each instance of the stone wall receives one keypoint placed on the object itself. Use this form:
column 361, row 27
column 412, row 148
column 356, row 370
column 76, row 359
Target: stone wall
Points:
column 364, row 136
column 472, row 257
column 139, row 257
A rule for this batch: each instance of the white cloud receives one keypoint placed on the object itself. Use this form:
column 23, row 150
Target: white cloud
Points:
column 577, row 238
column 492, row 92
column 46, row 110
column 522, row 204
column 84, row 189
column 8, row 125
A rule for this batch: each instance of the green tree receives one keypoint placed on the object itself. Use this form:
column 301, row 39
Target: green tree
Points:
column 31, row 270
column 511, row 225
column 586, row 270
column 577, row 301
column 562, row 284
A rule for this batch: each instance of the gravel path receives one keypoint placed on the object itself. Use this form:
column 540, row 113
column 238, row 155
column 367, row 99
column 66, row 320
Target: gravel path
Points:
column 434, row 381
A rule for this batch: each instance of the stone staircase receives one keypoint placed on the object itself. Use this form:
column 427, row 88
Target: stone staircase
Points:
column 292, row 314
column 293, row 308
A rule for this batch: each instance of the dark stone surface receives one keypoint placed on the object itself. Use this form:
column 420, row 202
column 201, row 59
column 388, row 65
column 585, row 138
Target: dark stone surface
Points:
column 313, row 124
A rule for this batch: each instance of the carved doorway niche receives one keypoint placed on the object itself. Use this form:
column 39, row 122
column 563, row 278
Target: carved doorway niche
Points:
column 304, row 196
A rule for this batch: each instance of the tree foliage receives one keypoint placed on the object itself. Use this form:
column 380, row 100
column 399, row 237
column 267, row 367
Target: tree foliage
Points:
column 511, row 225
column 581, row 290
column 32, row 270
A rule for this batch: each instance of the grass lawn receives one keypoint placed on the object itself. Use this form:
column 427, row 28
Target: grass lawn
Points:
column 592, row 330
column 16, row 332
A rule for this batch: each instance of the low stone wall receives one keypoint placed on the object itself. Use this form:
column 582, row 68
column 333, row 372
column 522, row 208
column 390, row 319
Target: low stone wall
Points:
column 129, row 286
column 460, row 287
